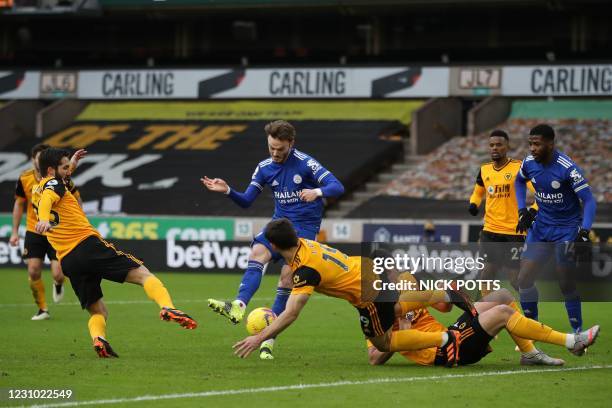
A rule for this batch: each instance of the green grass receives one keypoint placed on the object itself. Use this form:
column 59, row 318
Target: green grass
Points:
column 325, row 345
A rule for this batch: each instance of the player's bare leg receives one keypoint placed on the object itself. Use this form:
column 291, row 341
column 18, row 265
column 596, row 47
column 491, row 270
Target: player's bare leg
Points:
column 97, row 329
column 58, row 279
column 530, row 355
column 38, row 288
column 502, row 316
column 157, row 292
column 234, row 310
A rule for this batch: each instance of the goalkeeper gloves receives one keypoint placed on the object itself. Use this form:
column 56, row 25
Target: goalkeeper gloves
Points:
column 473, row 209
column 526, row 218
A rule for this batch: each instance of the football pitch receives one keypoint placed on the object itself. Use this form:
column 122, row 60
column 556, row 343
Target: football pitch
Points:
column 320, row 361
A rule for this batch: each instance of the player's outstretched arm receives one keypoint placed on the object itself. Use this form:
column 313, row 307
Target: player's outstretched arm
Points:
column 295, row 304
column 74, row 160
column 244, row 200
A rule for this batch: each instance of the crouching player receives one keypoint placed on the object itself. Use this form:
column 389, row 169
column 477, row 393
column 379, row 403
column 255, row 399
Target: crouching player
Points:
column 493, row 313
column 85, row 257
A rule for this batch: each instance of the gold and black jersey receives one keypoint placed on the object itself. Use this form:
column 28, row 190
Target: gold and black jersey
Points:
column 52, row 201
column 25, row 184
column 496, row 186
column 317, row 267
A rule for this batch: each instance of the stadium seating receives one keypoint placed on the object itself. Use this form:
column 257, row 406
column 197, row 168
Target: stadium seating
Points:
column 448, row 173
column 217, row 140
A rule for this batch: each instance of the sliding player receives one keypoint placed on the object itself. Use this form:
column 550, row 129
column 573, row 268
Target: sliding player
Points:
column 299, row 184
column 327, row 270
column 498, row 238
column 560, row 186
column 85, row 257
column 476, row 333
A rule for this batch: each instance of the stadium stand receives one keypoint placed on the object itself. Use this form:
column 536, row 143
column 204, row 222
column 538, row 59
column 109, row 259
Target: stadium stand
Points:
column 448, row 173
column 147, row 158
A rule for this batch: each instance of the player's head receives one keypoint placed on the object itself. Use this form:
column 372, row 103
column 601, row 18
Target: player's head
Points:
column 281, row 234
column 281, row 136
column 541, row 142
column 498, row 144
column 54, row 162
column 35, row 152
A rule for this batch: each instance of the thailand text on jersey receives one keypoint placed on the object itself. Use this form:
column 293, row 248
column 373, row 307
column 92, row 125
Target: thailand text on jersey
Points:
column 556, row 185
column 287, row 180
column 70, row 226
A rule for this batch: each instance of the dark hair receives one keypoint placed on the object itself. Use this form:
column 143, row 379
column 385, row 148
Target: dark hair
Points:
column 38, row 148
column 281, row 130
column 499, row 133
column 51, row 157
column 281, row 233
column 543, row 130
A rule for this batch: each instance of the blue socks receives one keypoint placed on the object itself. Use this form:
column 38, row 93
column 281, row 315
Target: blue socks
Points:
column 282, row 294
column 574, row 310
column 250, row 282
column 529, row 302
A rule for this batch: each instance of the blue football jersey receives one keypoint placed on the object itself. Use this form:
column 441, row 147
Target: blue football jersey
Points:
column 286, row 180
column 556, row 185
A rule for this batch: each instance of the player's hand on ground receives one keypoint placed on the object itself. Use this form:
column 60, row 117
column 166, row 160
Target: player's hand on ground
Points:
column 42, row 227
column 245, row 347
column 216, row 184
column 14, row 240
column 307, row 195
column 74, row 160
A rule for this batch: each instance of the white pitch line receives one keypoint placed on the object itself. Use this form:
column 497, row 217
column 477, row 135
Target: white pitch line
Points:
column 146, row 302
column 279, row 388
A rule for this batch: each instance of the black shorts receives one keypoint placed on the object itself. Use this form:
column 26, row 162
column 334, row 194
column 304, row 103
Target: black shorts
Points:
column 376, row 318
column 37, row 246
column 91, row 261
column 502, row 249
column 474, row 340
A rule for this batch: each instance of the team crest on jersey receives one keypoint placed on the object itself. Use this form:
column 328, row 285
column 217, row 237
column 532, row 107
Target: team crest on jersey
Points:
column 297, row 179
column 314, row 165
column 274, row 183
column 555, row 184
column 576, row 176
column 507, row 176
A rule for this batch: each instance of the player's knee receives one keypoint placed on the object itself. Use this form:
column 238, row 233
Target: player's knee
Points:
column 505, row 296
column 34, row 271
column 504, row 312
column 138, row 275
column 260, row 253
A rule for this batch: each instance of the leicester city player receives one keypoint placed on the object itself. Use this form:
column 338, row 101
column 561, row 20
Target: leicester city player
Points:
column 299, row 183
column 559, row 187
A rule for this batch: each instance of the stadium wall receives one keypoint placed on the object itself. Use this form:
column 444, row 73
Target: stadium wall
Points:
column 201, row 244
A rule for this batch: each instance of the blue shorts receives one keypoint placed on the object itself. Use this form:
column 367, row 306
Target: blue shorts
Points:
column 543, row 240
column 303, row 231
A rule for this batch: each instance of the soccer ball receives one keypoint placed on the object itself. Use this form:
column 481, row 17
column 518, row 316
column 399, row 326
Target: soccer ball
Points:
column 259, row 319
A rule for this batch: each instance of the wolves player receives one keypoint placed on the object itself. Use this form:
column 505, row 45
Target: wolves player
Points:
column 498, row 238
column 560, row 186
column 85, row 257
column 493, row 314
column 299, row 183
column 317, row 267
column 36, row 246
